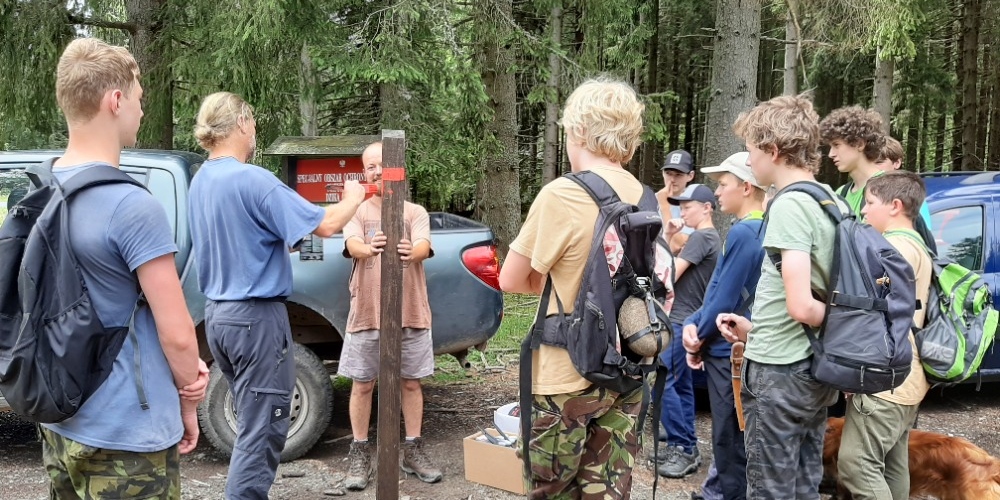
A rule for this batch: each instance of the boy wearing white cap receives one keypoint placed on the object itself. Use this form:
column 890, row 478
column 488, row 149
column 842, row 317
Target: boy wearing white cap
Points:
column 731, row 288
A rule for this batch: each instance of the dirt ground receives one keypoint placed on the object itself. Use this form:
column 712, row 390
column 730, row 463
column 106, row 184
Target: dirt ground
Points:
column 453, row 411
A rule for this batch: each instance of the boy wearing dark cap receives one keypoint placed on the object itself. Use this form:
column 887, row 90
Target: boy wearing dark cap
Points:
column 678, row 171
column 693, row 269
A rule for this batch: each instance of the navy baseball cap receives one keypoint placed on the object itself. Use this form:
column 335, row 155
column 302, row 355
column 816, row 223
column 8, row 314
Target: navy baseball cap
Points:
column 694, row 192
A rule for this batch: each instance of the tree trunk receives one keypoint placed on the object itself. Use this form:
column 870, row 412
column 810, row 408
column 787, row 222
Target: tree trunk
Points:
column 882, row 92
column 993, row 152
column 648, row 165
column 983, row 107
column 790, row 86
column 734, row 75
column 153, row 53
column 498, row 188
column 308, row 88
column 734, row 81
column 925, row 133
column 970, row 73
column 915, row 105
column 550, row 169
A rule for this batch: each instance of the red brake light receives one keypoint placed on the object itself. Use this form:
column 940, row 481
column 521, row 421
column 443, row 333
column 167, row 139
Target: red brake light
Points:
column 482, row 261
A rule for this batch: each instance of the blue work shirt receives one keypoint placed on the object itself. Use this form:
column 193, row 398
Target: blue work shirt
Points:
column 243, row 221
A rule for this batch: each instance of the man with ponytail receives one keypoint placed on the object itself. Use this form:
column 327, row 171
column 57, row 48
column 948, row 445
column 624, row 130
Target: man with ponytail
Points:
column 243, row 222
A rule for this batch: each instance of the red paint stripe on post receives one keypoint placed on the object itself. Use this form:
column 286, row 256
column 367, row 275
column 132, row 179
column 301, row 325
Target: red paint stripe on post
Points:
column 394, row 174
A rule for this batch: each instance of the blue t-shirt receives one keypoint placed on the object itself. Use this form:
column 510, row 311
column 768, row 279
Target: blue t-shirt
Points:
column 738, row 269
column 114, row 230
column 243, row 221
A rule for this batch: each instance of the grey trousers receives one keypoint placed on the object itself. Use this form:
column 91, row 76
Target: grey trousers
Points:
column 251, row 341
column 785, row 410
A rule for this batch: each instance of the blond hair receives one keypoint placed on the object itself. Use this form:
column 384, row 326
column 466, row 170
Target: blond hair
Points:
column 217, row 117
column 788, row 124
column 605, row 117
column 88, row 68
column 892, row 151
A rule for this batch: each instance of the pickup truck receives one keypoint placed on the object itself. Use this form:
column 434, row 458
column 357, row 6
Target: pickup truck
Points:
column 965, row 220
column 465, row 300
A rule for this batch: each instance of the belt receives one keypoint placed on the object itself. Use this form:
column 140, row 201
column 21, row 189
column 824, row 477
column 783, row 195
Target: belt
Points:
column 281, row 299
column 736, row 359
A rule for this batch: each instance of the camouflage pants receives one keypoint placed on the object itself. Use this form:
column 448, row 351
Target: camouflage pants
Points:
column 583, row 444
column 83, row 472
column 785, row 409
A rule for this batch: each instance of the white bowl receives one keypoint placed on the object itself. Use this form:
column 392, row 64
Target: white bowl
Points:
column 507, row 418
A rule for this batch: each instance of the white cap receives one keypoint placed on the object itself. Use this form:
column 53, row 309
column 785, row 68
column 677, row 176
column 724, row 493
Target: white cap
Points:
column 736, row 165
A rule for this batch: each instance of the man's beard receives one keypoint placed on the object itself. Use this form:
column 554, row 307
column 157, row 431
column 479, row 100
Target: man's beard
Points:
column 253, row 150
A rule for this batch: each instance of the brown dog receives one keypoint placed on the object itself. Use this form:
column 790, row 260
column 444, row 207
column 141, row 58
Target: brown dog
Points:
column 942, row 467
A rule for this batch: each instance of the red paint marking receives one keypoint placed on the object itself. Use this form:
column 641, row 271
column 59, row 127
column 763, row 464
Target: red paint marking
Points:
column 393, row 174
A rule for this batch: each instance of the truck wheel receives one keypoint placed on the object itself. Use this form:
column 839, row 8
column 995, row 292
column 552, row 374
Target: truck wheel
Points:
column 312, row 404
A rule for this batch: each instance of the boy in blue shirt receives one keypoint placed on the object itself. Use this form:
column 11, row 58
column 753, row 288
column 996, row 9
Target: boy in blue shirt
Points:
column 731, row 288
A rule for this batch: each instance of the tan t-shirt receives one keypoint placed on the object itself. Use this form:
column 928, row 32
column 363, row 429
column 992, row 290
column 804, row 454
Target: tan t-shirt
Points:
column 915, row 387
column 556, row 236
column 366, row 279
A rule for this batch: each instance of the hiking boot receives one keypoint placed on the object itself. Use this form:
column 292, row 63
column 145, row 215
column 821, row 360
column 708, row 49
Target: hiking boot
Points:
column 415, row 461
column 361, row 466
column 678, row 463
column 662, row 450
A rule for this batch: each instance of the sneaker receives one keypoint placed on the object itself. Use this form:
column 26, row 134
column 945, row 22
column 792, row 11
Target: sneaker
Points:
column 679, row 464
column 415, row 461
column 361, row 466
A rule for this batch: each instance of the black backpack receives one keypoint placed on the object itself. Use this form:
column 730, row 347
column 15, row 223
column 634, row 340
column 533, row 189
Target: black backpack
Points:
column 863, row 344
column 590, row 333
column 54, row 351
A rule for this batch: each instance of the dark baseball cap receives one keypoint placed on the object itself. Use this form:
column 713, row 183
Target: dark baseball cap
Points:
column 679, row 160
column 694, row 192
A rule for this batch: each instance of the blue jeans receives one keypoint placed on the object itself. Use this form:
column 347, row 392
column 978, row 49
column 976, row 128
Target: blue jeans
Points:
column 677, row 404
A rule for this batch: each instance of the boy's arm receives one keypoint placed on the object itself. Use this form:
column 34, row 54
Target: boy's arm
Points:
column 739, row 261
column 158, row 279
column 517, row 275
column 796, row 270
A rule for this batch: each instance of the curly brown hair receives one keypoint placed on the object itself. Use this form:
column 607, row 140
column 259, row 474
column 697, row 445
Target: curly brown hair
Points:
column 856, row 126
column 788, row 124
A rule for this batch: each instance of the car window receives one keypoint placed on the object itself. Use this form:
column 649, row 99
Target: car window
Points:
column 13, row 187
column 959, row 235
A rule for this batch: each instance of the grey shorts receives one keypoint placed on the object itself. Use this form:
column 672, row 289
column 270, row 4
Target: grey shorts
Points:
column 359, row 360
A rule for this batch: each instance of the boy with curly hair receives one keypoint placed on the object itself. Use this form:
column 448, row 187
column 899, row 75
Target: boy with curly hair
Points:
column 856, row 139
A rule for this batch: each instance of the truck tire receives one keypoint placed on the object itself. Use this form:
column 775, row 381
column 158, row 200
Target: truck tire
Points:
column 312, row 404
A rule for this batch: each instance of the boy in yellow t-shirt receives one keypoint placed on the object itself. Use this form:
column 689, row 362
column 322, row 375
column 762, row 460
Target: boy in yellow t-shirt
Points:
column 874, row 458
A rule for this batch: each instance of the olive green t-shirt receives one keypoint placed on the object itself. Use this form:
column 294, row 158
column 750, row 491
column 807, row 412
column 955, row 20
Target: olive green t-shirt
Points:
column 795, row 222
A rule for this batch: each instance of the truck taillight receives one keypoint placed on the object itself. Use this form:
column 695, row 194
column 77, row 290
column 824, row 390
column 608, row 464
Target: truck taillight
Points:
column 483, row 262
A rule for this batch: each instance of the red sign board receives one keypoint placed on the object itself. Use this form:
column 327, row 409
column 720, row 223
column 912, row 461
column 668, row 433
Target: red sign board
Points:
column 321, row 180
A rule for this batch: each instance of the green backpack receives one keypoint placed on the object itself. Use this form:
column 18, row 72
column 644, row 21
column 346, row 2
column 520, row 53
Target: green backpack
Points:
column 960, row 323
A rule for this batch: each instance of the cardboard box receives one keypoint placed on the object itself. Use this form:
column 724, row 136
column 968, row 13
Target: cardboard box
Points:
column 493, row 465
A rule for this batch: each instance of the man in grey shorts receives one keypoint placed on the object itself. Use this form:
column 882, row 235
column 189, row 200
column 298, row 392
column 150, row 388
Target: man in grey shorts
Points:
column 364, row 241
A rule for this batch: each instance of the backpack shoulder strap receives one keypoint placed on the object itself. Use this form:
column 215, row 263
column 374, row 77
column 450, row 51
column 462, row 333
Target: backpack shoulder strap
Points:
column 98, row 175
column 818, row 193
column 595, row 185
column 40, row 174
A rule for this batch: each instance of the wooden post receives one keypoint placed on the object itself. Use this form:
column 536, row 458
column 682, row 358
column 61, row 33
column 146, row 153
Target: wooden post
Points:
column 391, row 322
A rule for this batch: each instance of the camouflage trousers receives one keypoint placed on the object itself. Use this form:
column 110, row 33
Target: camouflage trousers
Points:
column 785, row 410
column 81, row 472
column 583, row 444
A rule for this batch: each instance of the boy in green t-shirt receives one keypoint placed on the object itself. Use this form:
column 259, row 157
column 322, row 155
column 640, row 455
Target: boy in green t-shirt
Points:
column 856, row 139
column 784, row 406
